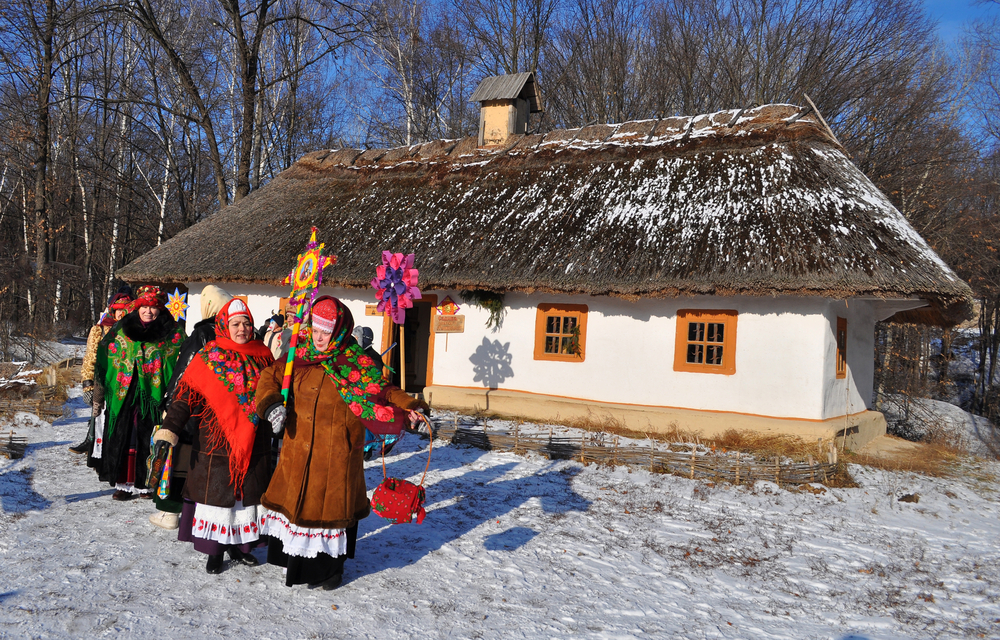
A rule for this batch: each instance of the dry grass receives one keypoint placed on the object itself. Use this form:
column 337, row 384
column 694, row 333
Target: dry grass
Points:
column 929, row 458
column 936, row 458
column 745, row 441
column 768, row 445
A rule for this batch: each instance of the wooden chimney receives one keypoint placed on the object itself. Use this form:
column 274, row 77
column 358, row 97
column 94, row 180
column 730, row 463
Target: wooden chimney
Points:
column 505, row 102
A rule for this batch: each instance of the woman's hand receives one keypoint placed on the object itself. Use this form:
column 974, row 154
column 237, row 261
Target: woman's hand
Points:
column 276, row 417
column 162, row 435
column 417, row 424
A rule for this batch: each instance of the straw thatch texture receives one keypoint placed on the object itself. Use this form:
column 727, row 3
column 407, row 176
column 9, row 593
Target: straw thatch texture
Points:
column 764, row 205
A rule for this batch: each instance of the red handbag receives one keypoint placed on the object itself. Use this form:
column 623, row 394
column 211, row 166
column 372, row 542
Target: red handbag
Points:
column 399, row 501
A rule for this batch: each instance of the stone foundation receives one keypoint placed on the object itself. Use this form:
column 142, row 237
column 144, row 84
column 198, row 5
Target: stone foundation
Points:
column 861, row 427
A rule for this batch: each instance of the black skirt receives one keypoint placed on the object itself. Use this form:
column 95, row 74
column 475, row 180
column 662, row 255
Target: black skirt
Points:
column 310, row 570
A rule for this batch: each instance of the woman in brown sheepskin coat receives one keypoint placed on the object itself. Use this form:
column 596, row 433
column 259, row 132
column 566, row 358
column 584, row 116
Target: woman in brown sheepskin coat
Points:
column 317, row 494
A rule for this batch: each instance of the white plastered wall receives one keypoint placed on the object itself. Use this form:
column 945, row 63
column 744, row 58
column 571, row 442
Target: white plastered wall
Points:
column 853, row 393
column 785, row 351
column 785, row 355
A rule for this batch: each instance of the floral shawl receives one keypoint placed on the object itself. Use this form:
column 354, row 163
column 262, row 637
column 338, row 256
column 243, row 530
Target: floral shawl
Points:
column 358, row 380
column 225, row 374
column 144, row 352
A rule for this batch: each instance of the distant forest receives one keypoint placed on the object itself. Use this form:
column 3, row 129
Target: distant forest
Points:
column 123, row 123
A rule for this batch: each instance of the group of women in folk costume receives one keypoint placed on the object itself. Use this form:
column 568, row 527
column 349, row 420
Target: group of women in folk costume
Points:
column 225, row 400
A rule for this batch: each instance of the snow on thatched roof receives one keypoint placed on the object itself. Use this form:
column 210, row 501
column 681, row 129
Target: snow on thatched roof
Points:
column 755, row 202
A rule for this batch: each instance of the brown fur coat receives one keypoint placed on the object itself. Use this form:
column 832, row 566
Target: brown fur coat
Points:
column 320, row 480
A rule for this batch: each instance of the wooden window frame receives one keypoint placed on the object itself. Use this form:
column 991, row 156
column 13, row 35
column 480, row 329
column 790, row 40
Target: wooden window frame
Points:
column 841, row 361
column 724, row 316
column 551, row 309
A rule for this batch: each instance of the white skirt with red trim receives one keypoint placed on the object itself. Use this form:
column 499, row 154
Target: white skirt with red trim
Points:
column 305, row 542
column 236, row 525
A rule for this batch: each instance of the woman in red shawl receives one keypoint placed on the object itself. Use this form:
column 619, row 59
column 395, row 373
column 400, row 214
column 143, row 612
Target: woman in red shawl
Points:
column 230, row 461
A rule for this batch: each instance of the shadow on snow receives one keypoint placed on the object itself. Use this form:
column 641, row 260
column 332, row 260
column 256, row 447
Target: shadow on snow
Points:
column 16, row 493
column 479, row 495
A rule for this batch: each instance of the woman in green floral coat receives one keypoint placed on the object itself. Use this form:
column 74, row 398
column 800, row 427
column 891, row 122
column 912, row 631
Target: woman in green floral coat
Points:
column 134, row 364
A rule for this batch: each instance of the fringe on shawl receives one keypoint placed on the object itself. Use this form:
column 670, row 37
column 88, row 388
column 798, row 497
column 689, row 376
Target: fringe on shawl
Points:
column 239, row 462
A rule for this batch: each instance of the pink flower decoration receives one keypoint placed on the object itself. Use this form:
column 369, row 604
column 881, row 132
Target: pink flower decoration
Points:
column 383, row 414
column 355, row 408
column 354, row 376
column 395, row 285
column 372, row 388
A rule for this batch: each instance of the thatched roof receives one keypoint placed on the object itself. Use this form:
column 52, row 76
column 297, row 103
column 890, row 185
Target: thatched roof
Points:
column 760, row 202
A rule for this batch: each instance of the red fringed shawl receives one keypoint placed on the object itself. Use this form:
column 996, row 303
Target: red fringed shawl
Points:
column 225, row 375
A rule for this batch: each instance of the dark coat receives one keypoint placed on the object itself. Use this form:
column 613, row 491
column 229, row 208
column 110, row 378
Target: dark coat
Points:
column 208, row 481
column 202, row 333
column 319, row 481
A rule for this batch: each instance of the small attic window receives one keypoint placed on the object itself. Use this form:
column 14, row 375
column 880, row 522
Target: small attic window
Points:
column 841, row 348
column 561, row 332
column 705, row 341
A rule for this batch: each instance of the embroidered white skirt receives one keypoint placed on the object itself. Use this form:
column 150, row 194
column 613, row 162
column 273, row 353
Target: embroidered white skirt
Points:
column 305, row 542
column 236, row 525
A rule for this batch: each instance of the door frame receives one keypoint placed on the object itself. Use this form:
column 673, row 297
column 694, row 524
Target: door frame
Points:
column 387, row 323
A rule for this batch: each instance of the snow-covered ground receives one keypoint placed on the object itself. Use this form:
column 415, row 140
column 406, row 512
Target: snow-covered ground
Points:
column 926, row 419
column 46, row 352
column 521, row 547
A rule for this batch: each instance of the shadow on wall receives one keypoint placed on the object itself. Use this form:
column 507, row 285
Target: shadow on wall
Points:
column 491, row 363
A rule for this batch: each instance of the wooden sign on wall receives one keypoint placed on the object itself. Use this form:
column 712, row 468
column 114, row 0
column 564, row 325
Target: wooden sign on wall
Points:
column 372, row 310
column 449, row 324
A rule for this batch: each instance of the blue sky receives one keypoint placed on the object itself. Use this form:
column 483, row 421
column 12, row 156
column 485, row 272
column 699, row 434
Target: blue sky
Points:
column 953, row 15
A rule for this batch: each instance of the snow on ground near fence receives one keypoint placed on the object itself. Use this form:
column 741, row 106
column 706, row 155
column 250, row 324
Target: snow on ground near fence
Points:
column 937, row 420
column 521, row 547
column 47, row 352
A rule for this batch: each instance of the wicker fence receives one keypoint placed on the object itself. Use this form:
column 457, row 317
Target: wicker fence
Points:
column 41, row 400
column 698, row 461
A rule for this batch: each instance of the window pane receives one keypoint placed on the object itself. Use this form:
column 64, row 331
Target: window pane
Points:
column 551, row 344
column 695, row 354
column 552, row 324
column 715, row 332
column 564, row 346
column 696, row 332
column 714, row 355
column 569, row 324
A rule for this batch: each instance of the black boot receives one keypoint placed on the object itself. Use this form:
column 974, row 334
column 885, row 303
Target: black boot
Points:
column 335, row 581
column 88, row 442
column 242, row 558
column 214, row 564
column 83, row 447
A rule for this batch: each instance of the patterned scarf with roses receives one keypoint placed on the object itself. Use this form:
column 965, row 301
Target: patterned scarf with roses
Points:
column 224, row 376
column 356, row 376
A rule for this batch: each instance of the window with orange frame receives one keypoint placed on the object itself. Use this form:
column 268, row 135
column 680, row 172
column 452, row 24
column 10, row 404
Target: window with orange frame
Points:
column 841, row 348
column 705, row 341
column 561, row 332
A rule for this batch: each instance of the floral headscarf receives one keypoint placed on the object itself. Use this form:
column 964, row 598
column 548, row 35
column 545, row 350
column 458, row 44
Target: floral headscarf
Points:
column 356, row 376
column 148, row 295
column 225, row 375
